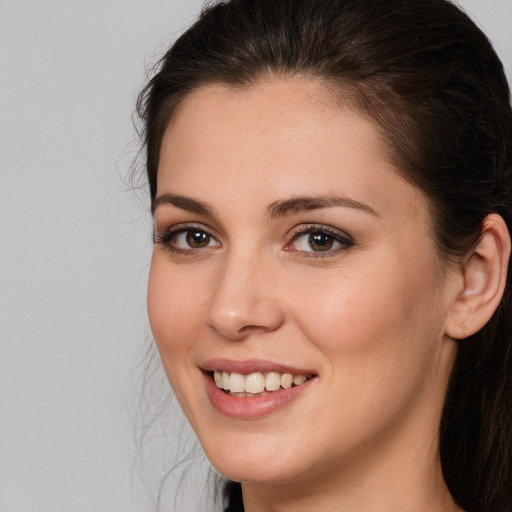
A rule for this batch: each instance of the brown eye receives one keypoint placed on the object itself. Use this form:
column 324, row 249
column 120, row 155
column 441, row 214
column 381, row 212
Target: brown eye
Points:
column 183, row 240
column 320, row 241
column 197, row 239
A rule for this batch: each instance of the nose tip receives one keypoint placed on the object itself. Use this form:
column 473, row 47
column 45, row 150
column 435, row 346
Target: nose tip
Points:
column 239, row 320
column 243, row 303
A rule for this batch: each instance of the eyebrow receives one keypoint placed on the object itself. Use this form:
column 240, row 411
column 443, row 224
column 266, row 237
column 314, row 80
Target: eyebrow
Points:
column 277, row 209
column 184, row 203
column 300, row 204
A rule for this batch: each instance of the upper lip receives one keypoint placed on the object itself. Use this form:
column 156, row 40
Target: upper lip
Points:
column 251, row 366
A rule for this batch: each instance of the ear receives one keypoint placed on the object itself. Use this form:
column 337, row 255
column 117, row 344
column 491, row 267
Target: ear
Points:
column 482, row 280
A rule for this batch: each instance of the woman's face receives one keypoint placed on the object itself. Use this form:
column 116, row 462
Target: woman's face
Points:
column 286, row 244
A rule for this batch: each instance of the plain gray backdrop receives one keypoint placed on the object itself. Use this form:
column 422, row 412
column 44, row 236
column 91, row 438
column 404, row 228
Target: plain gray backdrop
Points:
column 75, row 243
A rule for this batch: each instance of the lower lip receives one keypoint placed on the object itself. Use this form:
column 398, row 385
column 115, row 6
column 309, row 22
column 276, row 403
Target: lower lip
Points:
column 247, row 407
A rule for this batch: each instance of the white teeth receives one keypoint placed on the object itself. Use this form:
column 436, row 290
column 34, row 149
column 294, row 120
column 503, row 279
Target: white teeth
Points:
column 256, row 383
column 299, row 379
column 287, row 380
column 273, row 381
column 237, row 383
column 225, row 381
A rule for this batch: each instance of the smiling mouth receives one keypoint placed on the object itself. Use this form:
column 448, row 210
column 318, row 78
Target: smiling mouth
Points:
column 256, row 384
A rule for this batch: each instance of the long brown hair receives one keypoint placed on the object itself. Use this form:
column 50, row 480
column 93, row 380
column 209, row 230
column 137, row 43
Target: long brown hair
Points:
column 430, row 80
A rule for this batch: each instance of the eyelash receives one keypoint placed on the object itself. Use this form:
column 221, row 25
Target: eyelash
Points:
column 168, row 237
column 343, row 239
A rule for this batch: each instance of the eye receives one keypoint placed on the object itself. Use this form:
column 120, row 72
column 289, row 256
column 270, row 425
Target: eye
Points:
column 193, row 239
column 186, row 239
column 319, row 240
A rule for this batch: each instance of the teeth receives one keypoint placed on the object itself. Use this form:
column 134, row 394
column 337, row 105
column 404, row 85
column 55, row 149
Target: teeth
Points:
column 287, row 380
column 225, row 381
column 299, row 379
column 257, row 382
column 237, row 383
column 273, row 381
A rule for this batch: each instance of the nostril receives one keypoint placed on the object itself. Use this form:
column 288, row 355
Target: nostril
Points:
column 254, row 329
column 243, row 305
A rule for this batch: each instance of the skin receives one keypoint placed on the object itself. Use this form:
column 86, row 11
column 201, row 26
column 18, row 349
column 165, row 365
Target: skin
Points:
column 368, row 318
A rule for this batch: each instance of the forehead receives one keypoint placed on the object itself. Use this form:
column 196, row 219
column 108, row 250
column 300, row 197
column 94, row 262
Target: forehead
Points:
column 273, row 139
column 281, row 108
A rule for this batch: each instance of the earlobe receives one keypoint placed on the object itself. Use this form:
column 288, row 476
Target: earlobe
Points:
column 484, row 275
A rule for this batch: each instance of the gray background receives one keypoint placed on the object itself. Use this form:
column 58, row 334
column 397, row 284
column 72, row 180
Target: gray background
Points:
column 74, row 244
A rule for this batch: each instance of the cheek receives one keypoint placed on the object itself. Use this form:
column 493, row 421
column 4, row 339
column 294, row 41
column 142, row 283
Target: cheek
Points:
column 175, row 304
column 377, row 339
column 373, row 321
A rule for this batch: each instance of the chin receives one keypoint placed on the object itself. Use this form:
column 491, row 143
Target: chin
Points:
column 254, row 460
column 260, row 459
column 267, row 472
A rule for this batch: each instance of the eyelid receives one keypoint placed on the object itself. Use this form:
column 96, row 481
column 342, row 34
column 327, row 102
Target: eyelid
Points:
column 166, row 235
column 338, row 235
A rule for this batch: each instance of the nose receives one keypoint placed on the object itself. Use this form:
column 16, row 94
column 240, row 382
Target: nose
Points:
column 244, row 300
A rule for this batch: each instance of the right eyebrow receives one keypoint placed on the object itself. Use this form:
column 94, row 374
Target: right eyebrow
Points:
column 301, row 204
column 184, row 203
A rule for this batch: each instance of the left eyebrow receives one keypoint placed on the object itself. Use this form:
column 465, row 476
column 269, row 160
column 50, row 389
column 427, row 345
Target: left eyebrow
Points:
column 184, row 203
column 300, row 204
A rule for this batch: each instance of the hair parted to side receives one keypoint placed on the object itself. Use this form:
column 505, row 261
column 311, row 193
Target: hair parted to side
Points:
column 431, row 82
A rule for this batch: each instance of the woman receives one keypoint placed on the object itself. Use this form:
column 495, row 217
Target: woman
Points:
column 331, row 189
